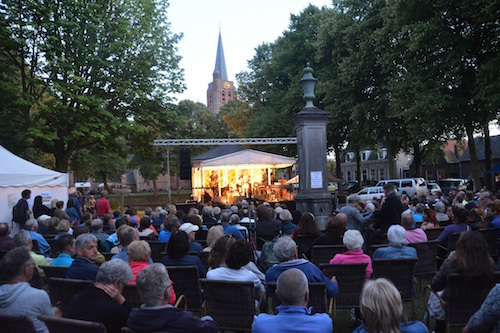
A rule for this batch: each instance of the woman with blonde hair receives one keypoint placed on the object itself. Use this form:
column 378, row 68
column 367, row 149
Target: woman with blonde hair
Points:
column 382, row 310
column 214, row 233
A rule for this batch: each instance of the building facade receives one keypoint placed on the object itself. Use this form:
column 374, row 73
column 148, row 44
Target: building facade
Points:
column 220, row 90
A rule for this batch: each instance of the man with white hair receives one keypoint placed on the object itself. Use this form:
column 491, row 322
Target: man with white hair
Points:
column 397, row 249
column 354, row 218
column 285, row 250
column 154, row 287
column 292, row 288
column 32, row 226
column 230, row 229
column 103, row 301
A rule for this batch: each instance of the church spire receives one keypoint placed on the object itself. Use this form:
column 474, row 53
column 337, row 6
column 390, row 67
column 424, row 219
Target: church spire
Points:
column 220, row 62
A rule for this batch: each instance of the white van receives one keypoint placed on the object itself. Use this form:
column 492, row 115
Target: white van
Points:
column 408, row 185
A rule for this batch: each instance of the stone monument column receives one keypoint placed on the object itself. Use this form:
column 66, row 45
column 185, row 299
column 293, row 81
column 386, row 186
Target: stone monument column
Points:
column 310, row 125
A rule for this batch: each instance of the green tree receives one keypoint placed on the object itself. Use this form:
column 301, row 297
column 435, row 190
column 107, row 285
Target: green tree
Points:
column 86, row 67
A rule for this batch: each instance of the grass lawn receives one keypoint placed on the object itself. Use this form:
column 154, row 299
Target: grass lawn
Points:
column 147, row 199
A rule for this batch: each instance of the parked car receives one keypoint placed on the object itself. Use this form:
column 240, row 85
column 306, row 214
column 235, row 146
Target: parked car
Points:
column 408, row 185
column 449, row 184
column 434, row 188
column 369, row 193
column 351, row 186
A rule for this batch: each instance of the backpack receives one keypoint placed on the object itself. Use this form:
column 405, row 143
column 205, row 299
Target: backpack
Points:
column 18, row 213
column 267, row 258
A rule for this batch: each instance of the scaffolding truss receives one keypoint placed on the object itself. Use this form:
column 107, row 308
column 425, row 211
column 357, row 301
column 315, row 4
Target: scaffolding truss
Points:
column 219, row 142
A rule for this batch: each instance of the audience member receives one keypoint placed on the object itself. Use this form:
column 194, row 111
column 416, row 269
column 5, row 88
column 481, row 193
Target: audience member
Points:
column 285, row 250
column 177, row 253
column 355, row 220
column 22, row 239
column 154, row 287
column 126, row 235
column 63, row 228
column 382, row 310
column 6, row 243
column 83, row 267
column 102, row 205
column 266, row 227
column 190, row 229
column 286, row 222
column 334, row 231
column 40, row 209
column 459, row 225
column 67, row 250
column 146, row 230
column 487, row 318
column 354, row 254
column 238, row 256
column 396, row 249
column 235, row 222
column 17, row 297
column 229, row 229
column 214, row 233
column 32, row 226
column 413, row 235
column 292, row 289
column 171, row 225
column 103, row 301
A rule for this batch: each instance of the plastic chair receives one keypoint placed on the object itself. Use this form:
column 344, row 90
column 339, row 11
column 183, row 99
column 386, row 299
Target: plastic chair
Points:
column 187, row 282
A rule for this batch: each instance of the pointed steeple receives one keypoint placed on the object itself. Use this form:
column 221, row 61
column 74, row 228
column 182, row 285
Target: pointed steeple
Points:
column 220, row 62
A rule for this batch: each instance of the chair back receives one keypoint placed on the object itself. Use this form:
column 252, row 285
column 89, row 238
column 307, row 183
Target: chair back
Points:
column 426, row 253
column 64, row 325
column 491, row 236
column 131, row 295
column 318, row 298
column 108, row 255
column 452, row 242
column 16, row 324
column 304, row 244
column 463, row 297
column 400, row 271
column 55, row 271
column 350, row 279
column 322, row 254
column 54, row 246
column 204, row 259
column 230, row 303
column 129, row 330
column 62, row 290
column 433, row 233
column 36, row 246
column 187, row 282
column 156, row 249
column 3, row 253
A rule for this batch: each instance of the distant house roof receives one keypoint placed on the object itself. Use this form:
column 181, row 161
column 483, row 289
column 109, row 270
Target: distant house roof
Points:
column 495, row 148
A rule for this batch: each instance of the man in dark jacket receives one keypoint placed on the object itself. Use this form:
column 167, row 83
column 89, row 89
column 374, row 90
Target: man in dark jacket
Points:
column 103, row 301
column 153, row 285
column 389, row 214
column 83, row 267
column 21, row 212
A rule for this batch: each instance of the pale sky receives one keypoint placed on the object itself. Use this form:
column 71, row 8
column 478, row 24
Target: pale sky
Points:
column 244, row 26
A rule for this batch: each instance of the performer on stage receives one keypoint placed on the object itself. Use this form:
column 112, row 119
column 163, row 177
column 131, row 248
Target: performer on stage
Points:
column 214, row 183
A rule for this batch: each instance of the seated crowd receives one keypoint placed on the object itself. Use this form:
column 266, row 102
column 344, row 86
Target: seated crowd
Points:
column 262, row 245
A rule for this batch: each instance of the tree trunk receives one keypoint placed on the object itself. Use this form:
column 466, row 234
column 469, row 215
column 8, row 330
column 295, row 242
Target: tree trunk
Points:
column 473, row 155
column 62, row 162
column 155, row 188
column 417, row 161
column 488, row 162
column 390, row 157
column 105, row 182
column 338, row 168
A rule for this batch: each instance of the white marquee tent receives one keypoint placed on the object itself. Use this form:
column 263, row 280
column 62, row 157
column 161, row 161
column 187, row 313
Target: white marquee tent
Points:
column 17, row 174
column 233, row 161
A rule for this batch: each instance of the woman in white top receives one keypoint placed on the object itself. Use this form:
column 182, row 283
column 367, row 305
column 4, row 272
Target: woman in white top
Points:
column 238, row 255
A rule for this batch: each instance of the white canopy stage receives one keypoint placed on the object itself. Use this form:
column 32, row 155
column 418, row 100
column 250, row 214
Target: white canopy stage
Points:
column 234, row 171
column 17, row 174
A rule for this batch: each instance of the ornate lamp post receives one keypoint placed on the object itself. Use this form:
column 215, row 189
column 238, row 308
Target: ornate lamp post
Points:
column 310, row 124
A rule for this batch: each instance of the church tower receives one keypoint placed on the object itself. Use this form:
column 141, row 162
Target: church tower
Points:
column 220, row 90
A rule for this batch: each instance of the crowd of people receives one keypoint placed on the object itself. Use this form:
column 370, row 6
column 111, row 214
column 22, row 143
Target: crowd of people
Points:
column 263, row 244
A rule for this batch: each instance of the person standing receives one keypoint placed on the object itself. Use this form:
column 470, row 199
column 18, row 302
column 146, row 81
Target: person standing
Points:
column 21, row 212
column 78, row 209
column 102, row 205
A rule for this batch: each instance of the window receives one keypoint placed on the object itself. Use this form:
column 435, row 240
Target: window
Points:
column 365, row 174
column 406, row 183
column 381, row 174
column 349, row 175
column 365, row 191
column 372, row 174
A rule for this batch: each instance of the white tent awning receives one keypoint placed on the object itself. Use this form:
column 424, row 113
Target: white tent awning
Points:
column 15, row 171
column 252, row 158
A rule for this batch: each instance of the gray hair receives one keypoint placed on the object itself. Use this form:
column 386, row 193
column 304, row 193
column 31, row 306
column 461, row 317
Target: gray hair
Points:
column 419, row 208
column 13, row 263
column 206, row 210
column 22, row 238
column 286, row 215
column 284, row 249
column 353, row 198
column 235, row 219
column 440, row 207
column 31, row 224
column 292, row 285
column 96, row 224
column 104, row 194
column 216, row 210
column 234, row 209
column 152, row 282
column 396, row 235
column 83, row 239
column 353, row 240
column 113, row 270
